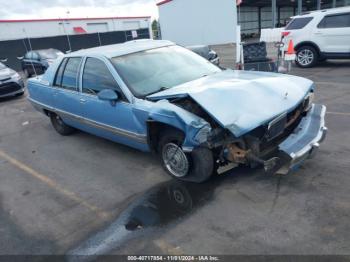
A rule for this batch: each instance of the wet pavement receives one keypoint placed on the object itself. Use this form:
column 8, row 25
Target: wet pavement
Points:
column 85, row 195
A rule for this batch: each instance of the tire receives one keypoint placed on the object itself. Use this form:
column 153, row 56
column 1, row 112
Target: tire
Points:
column 196, row 166
column 60, row 126
column 20, row 94
column 306, row 57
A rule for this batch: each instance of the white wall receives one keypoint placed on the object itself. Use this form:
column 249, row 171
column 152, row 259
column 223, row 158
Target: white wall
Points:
column 19, row 30
column 193, row 22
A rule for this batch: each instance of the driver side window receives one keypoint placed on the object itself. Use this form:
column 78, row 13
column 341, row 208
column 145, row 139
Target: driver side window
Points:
column 97, row 77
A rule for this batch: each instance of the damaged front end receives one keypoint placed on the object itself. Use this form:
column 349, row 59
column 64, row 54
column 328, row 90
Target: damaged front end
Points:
column 278, row 146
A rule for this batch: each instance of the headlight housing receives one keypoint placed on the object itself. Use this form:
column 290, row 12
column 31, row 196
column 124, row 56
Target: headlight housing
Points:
column 16, row 77
column 309, row 99
column 202, row 134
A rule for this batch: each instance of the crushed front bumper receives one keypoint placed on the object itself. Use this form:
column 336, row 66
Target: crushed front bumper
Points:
column 304, row 142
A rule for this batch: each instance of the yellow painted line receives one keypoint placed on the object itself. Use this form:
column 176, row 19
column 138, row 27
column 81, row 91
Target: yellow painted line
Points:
column 168, row 249
column 339, row 113
column 53, row 184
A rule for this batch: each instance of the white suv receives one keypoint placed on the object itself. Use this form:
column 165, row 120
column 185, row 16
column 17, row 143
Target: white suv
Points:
column 320, row 35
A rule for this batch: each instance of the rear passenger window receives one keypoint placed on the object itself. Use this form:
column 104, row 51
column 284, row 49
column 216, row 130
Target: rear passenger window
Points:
column 28, row 55
column 335, row 21
column 69, row 78
column 97, row 77
column 298, row 23
column 35, row 56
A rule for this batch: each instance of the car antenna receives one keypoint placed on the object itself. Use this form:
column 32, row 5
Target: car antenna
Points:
column 30, row 47
column 66, row 33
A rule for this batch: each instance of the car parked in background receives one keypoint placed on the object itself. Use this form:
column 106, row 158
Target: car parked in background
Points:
column 320, row 35
column 157, row 96
column 11, row 83
column 37, row 61
column 206, row 52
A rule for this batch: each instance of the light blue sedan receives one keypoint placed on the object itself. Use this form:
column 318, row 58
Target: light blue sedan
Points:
column 160, row 97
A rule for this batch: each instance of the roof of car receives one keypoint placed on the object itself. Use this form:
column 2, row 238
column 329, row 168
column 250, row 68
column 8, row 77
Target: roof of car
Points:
column 122, row 49
column 336, row 10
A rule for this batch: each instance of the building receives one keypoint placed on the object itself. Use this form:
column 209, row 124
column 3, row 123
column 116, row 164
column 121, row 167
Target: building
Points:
column 205, row 21
column 254, row 15
column 68, row 34
column 193, row 22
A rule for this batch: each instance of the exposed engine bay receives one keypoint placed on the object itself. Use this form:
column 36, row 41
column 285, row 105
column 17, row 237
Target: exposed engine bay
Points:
column 257, row 147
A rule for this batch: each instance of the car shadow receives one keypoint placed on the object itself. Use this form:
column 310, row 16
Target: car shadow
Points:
column 162, row 205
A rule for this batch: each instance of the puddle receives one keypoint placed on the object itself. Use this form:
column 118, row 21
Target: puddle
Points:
column 159, row 206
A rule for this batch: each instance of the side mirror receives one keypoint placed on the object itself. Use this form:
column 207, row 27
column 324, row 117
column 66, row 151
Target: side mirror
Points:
column 20, row 57
column 108, row 95
column 4, row 60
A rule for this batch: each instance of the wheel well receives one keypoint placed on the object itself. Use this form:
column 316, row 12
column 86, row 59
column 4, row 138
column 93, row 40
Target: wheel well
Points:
column 47, row 112
column 308, row 44
column 154, row 130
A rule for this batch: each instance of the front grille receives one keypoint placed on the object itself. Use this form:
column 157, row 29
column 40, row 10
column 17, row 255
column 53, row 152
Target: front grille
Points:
column 292, row 120
column 8, row 88
column 276, row 127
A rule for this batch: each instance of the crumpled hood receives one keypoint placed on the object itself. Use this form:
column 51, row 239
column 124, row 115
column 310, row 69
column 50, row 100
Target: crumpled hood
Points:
column 6, row 73
column 243, row 100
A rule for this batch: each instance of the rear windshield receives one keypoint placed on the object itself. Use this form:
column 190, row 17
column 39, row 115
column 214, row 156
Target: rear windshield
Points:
column 49, row 54
column 298, row 23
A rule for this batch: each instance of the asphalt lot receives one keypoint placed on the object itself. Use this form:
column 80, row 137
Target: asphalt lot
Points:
column 84, row 194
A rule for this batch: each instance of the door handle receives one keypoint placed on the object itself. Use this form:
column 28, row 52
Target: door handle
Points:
column 82, row 100
column 318, row 33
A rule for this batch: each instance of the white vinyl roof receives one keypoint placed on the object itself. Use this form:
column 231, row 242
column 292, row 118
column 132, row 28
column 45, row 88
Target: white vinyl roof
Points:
column 129, row 47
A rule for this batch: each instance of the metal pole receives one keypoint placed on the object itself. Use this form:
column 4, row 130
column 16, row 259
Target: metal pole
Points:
column 334, row 4
column 300, row 7
column 273, row 10
column 318, row 7
column 259, row 18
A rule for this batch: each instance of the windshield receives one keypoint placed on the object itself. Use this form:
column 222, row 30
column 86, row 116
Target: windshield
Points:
column 49, row 53
column 150, row 71
column 2, row 66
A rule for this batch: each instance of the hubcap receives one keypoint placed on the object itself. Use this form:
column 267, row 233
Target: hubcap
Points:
column 175, row 160
column 305, row 57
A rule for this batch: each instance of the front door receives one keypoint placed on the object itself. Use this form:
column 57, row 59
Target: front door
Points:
column 111, row 120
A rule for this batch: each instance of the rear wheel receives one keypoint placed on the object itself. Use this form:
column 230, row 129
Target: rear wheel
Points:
column 60, row 126
column 196, row 166
column 306, row 57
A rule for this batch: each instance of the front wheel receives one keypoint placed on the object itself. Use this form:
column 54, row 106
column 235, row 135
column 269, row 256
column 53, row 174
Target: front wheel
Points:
column 60, row 126
column 196, row 166
column 306, row 57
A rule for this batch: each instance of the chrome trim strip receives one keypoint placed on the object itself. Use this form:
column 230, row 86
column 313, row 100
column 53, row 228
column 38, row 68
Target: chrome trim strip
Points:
column 118, row 131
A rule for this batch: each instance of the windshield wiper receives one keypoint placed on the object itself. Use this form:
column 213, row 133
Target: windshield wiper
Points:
column 162, row 88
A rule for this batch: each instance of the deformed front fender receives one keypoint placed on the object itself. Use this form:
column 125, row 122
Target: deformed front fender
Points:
column 167, row 113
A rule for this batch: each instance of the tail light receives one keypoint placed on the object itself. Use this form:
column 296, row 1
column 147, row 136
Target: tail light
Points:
column 284, row 34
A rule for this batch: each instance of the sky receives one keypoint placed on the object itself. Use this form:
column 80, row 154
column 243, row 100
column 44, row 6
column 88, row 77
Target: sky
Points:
column 32, row 9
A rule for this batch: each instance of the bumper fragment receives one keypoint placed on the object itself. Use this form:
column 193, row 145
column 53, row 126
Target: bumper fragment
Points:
column 304, row 142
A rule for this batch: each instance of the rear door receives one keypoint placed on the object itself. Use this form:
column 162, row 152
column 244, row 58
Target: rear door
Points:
column 333, row 33
column 66, row 90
